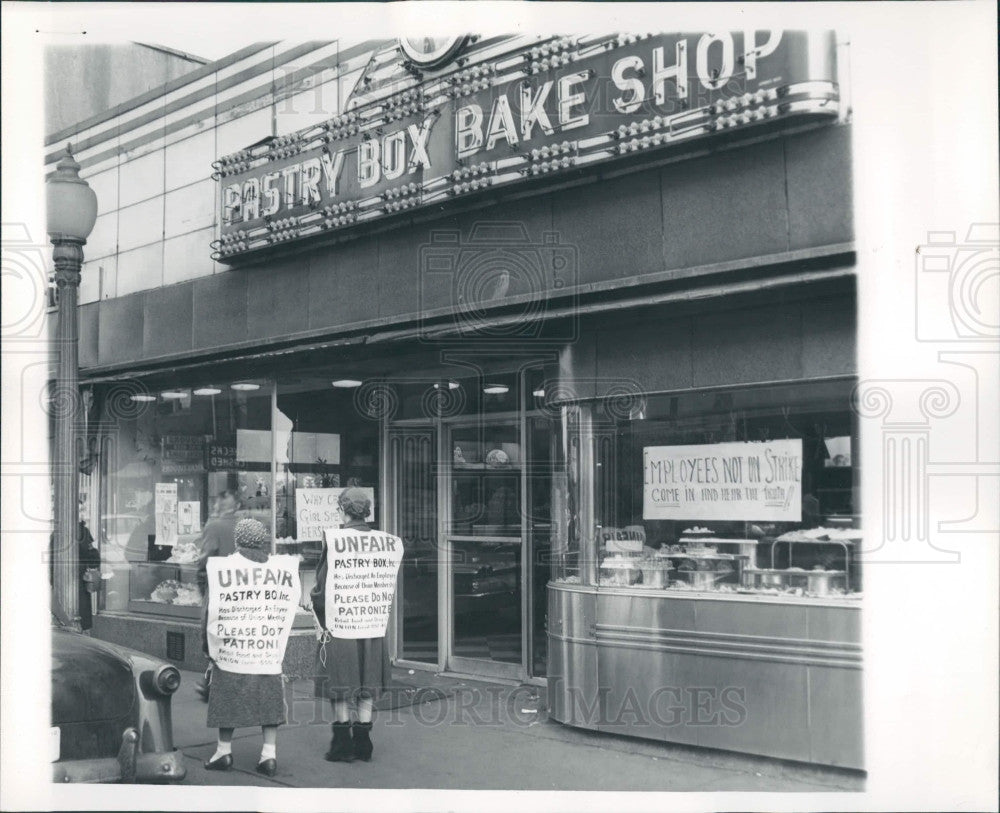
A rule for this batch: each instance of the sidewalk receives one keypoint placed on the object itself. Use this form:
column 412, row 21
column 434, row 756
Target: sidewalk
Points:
column 440, row 732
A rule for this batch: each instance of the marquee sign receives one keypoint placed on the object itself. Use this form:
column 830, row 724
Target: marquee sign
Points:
column 491, row 121
column 428, row 52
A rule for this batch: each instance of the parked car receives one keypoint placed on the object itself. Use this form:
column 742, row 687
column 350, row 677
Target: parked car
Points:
column 111, row 716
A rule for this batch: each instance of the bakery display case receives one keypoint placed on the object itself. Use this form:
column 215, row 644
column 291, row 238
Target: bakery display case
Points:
column 700, row 561
column 165, row 588
column 718, row 537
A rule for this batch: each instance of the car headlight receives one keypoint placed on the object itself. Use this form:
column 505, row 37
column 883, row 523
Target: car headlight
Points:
column 167, row 679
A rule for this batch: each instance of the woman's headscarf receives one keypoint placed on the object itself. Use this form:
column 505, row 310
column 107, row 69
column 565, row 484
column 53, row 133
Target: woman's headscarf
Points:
column 251, row 534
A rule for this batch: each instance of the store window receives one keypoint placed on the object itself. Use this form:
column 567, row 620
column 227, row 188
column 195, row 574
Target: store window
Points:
column 745, row 490
column 178, row 458
column 324, row 443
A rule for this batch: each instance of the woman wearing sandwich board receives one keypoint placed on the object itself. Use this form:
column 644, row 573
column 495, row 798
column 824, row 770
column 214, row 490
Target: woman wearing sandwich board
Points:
column 355, row 583
column 252, row 598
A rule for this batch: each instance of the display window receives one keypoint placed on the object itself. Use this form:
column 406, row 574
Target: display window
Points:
column 184, row 463
column 180, row 461
column 324, row 443
column 750, row 490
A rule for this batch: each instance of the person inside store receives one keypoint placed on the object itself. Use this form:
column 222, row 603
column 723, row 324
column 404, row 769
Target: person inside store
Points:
column 351, row 672
column 137, row 547
column 217, row 539
column 238, row 699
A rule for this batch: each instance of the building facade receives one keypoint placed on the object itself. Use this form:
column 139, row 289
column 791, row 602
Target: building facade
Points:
column 579, row 311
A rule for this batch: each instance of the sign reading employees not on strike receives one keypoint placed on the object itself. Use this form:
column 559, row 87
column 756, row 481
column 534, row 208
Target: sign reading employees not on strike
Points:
column 360, row 581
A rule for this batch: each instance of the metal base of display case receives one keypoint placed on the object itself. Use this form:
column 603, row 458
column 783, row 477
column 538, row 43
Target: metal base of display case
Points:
column 767, row 675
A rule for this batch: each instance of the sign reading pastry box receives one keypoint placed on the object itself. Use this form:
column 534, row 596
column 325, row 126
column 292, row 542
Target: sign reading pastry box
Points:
column 724, row 481
column 251, row 609
column 557, row 108
column 360, row 581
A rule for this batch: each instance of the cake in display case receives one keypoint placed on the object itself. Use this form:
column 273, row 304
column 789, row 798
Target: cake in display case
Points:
column 165, row 588
column 701, row 561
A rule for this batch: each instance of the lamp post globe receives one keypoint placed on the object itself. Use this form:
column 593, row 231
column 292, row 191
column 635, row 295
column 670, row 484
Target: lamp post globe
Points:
column 70, row 203
column 71, row 209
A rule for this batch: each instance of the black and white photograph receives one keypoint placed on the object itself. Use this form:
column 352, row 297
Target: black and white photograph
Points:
column 472, row 406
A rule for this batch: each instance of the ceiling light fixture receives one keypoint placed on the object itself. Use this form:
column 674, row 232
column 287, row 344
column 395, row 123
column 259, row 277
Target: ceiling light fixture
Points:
column 207, row 391
column 142, row 398
column 346, row 383
column 173, row 395
column 244, row 386
column 496, row 389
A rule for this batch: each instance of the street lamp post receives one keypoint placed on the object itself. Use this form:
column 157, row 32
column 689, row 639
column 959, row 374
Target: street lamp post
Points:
column 71, row 208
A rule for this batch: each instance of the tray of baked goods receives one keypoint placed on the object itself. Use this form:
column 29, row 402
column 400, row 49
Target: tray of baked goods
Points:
column 796, row 581
column 843, row 539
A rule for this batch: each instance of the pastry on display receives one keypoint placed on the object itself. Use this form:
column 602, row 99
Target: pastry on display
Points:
column 655, row 572
column 188, row 595
column 821, row 535
column 497, row 457
column 165, row 592
column 185, row 553
column 619, row 570
column 171, row 591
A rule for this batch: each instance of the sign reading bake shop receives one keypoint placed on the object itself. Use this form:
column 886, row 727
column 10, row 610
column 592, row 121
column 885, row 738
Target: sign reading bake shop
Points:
column 360, row 581
column 724, row 481
column 251, row 609
column 505, row 117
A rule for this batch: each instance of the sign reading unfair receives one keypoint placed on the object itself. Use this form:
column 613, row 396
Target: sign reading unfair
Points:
column 506, row 117
column 361, row 581
column 251, row 609
column 724, row 481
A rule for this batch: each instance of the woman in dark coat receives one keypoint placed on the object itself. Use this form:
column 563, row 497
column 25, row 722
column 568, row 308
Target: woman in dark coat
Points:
column 349, row 672
column 239, row 700
column 89, row 560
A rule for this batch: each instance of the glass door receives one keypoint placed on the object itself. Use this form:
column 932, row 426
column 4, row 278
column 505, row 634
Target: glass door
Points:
column 414, row 518
column 484, row 543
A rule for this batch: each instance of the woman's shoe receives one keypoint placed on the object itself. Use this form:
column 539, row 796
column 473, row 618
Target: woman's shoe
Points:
column 268, row 767
column 362, row 742
column 223, row 763
column 341, row 748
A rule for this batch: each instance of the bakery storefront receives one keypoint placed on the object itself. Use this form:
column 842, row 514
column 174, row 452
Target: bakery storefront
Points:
column 580, row 312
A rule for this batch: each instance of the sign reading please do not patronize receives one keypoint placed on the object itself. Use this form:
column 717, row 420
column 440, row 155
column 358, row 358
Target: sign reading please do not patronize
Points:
column 251, row 609
column 724, row 481
column 361, row 581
